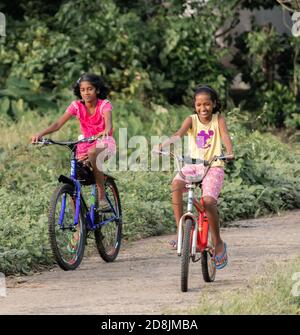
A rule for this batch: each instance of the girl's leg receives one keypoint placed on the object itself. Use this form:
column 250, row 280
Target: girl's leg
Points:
column 177, row 202
column 213, row 218
column 99, row 176
column 211, row 188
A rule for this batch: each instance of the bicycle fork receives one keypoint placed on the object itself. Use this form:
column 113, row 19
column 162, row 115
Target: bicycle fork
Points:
column 191, row 216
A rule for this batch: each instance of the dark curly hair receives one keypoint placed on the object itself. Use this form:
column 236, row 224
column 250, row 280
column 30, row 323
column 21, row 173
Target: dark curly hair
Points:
column 96, row 81
column 213, row 96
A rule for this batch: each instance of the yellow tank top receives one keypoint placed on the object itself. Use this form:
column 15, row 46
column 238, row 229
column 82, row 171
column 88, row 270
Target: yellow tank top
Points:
column 204, row 140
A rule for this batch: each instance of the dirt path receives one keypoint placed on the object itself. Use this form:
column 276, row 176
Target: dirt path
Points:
column 145, row 277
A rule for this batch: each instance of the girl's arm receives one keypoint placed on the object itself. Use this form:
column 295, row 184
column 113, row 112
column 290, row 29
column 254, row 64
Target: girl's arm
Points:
column 51, row 129
column 108, row 123
column 186, row 125
column 225, row 135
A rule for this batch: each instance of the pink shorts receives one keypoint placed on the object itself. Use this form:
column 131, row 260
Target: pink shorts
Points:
column 211, row 184
column 108, row 142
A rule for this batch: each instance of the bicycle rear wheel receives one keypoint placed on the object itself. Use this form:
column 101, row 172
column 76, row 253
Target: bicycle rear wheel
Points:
column 108, row 236
column 207, row 263
column 185, row 254
column 67, row 240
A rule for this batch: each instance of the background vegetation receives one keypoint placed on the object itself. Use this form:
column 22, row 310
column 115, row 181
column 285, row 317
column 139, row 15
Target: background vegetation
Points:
column 151, row 72
column 48, row 46
column 269, row 294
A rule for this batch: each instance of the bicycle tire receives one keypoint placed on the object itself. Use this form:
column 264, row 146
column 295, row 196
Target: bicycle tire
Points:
column 207, row 266
column 185, row 254
column 67, row 244
column 108, row 237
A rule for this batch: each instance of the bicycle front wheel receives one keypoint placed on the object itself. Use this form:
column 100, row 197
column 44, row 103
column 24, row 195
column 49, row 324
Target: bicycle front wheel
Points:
column 108, row 236
column 67, row 240
column 185, row 254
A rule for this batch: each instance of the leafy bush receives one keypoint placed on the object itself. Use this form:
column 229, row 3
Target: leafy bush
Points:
column 20, row 96
column 279, row 106
column 159, row 62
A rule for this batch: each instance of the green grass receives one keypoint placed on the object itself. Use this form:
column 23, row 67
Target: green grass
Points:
column 271, row 293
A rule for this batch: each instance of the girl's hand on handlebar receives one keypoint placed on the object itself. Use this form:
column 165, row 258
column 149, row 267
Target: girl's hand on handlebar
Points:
column 103, row 134
column 230, row 157
column 35, row 139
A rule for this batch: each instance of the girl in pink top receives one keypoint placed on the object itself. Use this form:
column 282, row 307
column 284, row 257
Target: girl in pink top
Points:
column 94, row 113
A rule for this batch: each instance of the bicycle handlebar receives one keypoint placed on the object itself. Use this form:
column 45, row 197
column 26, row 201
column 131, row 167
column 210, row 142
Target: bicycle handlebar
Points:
column 48, row 141
column 189, row 160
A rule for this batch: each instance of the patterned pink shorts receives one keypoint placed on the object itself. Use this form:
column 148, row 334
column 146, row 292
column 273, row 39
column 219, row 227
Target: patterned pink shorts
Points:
column 108, row 142
column 211, row 184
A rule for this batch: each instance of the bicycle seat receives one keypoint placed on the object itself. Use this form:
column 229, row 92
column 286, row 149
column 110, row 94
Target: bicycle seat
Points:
column 194, row 179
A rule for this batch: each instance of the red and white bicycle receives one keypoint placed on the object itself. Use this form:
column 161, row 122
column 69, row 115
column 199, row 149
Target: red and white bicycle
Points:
column 194, row 240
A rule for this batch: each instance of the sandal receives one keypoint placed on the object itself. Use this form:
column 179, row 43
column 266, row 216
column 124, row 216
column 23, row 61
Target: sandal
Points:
column 222, row 260
column 173, row 244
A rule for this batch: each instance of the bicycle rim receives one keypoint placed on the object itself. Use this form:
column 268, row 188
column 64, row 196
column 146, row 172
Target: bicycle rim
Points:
column 108, row 236
column 67, row 240
column 185, row 254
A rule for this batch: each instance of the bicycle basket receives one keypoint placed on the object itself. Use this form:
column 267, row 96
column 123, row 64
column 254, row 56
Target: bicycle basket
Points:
column 85, row 174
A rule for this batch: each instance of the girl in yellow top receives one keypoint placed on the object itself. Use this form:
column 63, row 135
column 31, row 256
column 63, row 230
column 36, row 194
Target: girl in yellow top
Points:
column 206, row 131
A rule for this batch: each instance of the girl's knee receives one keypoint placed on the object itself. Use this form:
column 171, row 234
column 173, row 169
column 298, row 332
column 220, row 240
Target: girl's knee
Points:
column 92, row 154
column 210, row 202
column 177, row 185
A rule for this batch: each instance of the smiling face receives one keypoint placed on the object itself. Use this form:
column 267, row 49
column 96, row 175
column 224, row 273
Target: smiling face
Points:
column 88, row 92
column 204, row 106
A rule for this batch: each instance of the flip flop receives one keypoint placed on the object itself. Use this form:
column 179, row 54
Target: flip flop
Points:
column 173, row 244
column 222, row 260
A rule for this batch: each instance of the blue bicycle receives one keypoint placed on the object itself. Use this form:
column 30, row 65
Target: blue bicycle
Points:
column 71, row 217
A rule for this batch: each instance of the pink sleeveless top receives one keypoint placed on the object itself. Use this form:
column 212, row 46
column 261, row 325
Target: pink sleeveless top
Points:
column 90, row 125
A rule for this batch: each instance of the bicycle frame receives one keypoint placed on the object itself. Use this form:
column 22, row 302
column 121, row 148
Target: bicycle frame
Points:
column 200, row 226
column 90, row 214
column 199, row 236
column 203, row 226
column 188, row 214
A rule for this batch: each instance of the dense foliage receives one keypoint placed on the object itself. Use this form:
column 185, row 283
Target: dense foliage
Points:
column 151, row 50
